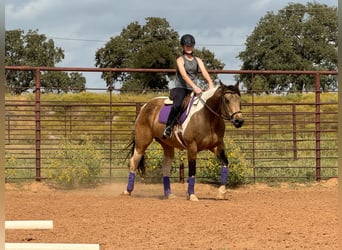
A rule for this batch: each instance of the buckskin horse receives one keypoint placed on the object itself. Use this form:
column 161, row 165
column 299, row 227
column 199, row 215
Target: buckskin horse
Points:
column 202, row 129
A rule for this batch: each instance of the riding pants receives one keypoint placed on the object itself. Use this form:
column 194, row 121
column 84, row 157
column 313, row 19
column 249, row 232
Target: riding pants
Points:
column 177, row 95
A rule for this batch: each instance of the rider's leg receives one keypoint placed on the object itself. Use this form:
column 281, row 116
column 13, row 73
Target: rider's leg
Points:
column 177, row 95
column 171, row 120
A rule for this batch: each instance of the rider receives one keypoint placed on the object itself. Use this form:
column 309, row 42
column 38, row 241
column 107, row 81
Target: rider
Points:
column 188, row 67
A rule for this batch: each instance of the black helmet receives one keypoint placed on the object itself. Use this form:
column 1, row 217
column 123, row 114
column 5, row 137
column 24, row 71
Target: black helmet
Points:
column 187, row 40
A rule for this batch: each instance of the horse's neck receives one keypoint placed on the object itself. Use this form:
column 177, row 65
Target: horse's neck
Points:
column 209, row 98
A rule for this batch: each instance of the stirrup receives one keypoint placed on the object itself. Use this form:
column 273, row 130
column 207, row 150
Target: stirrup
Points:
column 167, row 132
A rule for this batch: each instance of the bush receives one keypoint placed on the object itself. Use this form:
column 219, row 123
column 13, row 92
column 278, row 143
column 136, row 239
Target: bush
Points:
column 154, row 163
column 10, row 164
column 238, row 167
column 76, row 165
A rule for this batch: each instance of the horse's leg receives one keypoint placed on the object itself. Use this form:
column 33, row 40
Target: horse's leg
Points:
column 192, row 153
column 169, row 154
column 220, row 153
column 141, row 142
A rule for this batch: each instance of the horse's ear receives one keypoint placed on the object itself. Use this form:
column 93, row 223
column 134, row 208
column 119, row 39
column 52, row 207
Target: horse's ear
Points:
column 237, row 84
column 221, row 83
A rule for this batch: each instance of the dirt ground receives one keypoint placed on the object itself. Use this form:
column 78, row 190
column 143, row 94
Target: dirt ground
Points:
column 286, row 216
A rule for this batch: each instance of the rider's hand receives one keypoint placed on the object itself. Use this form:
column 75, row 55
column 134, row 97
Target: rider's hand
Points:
column 197, row 90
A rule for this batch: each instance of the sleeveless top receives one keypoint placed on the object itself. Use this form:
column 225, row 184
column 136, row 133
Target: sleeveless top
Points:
column 191, row 68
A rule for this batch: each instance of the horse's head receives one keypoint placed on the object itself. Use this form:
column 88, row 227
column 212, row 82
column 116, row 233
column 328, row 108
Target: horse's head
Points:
column 231, row 104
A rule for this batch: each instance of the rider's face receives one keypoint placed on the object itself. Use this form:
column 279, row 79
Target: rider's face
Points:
column 188, row 48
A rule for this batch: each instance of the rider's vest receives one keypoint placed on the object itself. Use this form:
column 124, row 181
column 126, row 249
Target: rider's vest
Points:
column 191, row 68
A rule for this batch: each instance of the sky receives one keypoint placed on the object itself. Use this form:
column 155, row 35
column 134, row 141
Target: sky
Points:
column 81, row 27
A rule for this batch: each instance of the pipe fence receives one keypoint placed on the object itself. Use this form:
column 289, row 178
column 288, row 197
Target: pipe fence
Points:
column 292, row 140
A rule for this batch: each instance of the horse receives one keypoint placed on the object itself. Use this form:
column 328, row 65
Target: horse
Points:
column 202, row 129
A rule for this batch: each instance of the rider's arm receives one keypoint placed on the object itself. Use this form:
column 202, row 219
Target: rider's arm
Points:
column 205, row 73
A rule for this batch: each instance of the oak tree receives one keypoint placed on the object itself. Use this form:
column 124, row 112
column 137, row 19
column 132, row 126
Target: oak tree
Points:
column 154, row 45
column 34, row 49
column 298, row 37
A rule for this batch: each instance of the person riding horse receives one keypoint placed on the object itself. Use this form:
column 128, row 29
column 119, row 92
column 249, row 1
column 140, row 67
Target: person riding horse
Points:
column 202, row 129
column 188, row 67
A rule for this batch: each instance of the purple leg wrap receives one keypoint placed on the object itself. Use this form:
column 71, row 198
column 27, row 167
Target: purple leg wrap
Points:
column 191, row 185
column 130, row 184
column 224, row 175
column 167, row 188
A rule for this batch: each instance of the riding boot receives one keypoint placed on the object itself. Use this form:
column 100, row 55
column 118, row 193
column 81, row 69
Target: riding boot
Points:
column 170, row 122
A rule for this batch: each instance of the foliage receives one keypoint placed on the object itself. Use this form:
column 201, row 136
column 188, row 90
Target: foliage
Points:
column 62, row 82
column 154, row 163
column 237, row 167
column 153, row 45
column 34, row 49
column 74, row 165
column 298, row 37
column 11, row 163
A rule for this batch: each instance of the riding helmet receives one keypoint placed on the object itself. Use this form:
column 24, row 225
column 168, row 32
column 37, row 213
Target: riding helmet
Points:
column 188, row 40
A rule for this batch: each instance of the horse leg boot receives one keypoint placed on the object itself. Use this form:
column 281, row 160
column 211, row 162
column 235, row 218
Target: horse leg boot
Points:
column 224, row 178
column 130, row 184
column 169, row 154
column 191, row 189
column 167, row 188
column 224, row 174
column 191, row 180
column 170, row 121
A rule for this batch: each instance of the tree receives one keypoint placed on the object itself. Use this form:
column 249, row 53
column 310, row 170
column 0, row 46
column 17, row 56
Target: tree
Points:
column 34, row 49
column 153, row 45
column 298, row 37
column 62, row 82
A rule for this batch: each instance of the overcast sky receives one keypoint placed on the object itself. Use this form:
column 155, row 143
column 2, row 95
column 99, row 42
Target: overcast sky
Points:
column 81, row 27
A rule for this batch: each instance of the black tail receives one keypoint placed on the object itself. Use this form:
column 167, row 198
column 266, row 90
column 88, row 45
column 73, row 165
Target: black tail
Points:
column 141, row 164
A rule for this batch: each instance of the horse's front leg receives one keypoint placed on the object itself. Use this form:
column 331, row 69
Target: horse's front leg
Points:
column 192, row 173
column 224, row 174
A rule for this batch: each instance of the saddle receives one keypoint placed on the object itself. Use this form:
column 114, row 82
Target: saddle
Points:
column 165, row 110
column 185, row 103
column 177, row 128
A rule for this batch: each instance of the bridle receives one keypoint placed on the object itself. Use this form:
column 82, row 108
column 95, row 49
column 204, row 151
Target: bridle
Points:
column 227, row 116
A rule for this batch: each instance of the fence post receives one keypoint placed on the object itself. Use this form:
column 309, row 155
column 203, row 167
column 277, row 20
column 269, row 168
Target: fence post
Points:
column 110, row 89
column 318, row 127
column 37, row 117
column 253, row 131
column 294, row 132
column 8, row 116
column 181, row 172
column 137, row 109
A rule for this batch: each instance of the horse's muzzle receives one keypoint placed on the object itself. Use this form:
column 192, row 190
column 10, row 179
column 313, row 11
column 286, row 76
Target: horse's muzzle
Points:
column 236, row 119
column 238, row 122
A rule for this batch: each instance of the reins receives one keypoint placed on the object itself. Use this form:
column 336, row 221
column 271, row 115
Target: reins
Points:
column 227, row 117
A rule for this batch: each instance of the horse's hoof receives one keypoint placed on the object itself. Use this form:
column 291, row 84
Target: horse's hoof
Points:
column 193, row 197
column 170, row 196
column 221, row 195
column 126, row 193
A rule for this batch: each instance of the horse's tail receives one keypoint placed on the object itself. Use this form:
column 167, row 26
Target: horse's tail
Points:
column 141, row 165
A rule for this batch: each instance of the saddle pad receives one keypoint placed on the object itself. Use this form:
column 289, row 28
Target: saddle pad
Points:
column 164, row 114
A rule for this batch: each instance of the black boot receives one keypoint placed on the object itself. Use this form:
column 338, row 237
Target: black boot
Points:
column 170, row 121
column 167, row 132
